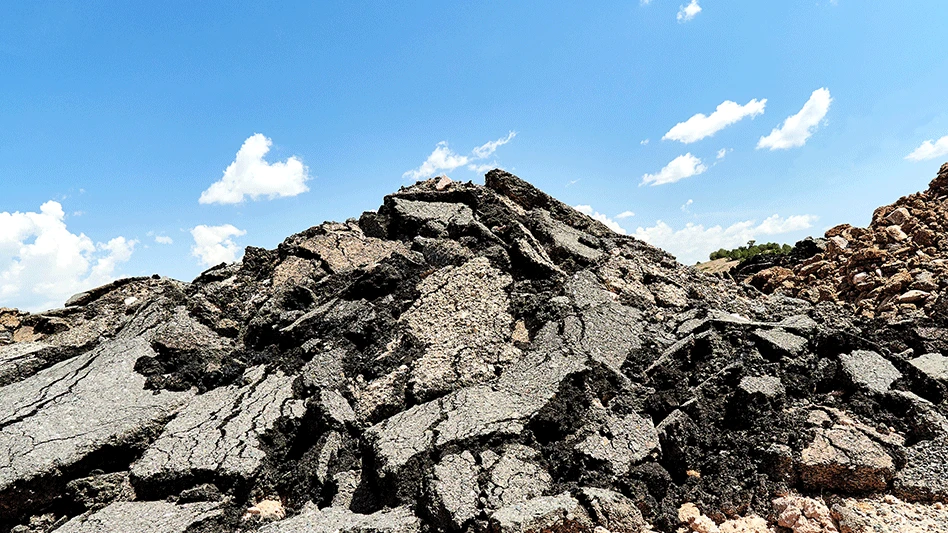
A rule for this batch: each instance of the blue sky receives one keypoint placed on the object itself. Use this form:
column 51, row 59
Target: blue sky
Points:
column 116, row 119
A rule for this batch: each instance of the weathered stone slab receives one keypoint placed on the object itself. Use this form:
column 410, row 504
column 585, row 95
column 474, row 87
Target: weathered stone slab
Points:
column 142, row 517
column 63, row 414
column 335, row 520
column 218, row 433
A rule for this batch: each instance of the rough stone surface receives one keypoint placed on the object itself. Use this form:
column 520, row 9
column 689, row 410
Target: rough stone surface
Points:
column 54, row 420
column 217, row 434
column 923, row 478
column 142, row 517
column 334, row 520
column 870, row 370
column 933, row 365
column 845, row 459
column 545, row 513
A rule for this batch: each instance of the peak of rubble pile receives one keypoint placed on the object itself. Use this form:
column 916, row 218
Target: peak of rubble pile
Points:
column 465, row 358
column 895, row 269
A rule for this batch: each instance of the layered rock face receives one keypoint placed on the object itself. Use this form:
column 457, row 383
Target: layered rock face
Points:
column 466, row 358
column 897, row 268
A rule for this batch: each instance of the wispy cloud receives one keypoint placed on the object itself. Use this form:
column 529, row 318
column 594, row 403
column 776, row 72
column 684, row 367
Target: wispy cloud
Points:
column 688, row 12
column 686, row 205
column 625, row 214
column 214, row 244
column 795, row 131
column 700, row 126
column 251, row 177
column 163, row 239
column 443, row 159
column 694, row 242
column 683, row 166
column 930, row 149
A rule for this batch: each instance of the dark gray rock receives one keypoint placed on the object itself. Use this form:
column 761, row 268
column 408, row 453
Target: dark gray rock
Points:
column 612, row 511
column 455, row 489
column 218, row 433
column 515, row 476
column 142, row 517
column 545, row 513
column 620, row 442
column 923, row 478
column 71, row 410
column 97, row 491
column 933, row 365
column 335, row 520
column 869, row 370
column 780, row 342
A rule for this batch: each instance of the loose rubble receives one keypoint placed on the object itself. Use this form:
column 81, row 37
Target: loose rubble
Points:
column 897, row 268
column 473, row 358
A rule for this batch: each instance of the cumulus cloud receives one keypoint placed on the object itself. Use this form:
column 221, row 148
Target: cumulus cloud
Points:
column 213, row 244
column 250, row 176
column 688, row 12
column 930, row 150
column 694, row 242
column 625, row 214
column 163, row 239
column 42, row 263
column 683, row 166
column 595, row 215
column 700, row 126
column 443, row 159
column 795, row 131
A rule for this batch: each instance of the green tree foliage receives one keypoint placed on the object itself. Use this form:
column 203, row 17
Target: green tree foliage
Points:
column 750, row 250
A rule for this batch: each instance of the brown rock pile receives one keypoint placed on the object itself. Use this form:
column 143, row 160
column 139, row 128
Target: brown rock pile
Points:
column 895, row 268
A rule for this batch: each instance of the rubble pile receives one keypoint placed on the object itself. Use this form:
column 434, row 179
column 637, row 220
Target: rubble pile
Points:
column 466, row 358
column 897, row 268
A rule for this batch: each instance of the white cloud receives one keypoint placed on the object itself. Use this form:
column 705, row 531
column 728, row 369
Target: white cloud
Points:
column 250, row 176
column 798, row 128
column 700, row 126
column 443, row 159
column 644, row 2
column 643, row 142
column 611, row 224
column 694, row 242
column 487, row 149
column 625, row 214
column 683, row 166
column 686, row 205
column 688, row 12
column 163, row 239
column 930, row 150
column 213, row 244
column 484, row 168
column 42, row 263
column 721, row 153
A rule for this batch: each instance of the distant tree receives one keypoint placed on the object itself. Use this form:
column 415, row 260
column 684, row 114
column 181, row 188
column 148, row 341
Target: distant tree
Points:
column 742, row 253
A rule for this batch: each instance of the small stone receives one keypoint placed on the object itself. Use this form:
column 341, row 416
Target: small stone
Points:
column 895, row 233
column 912, row 296
column 768, row 386
column 777, row 342
column 266, row 510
